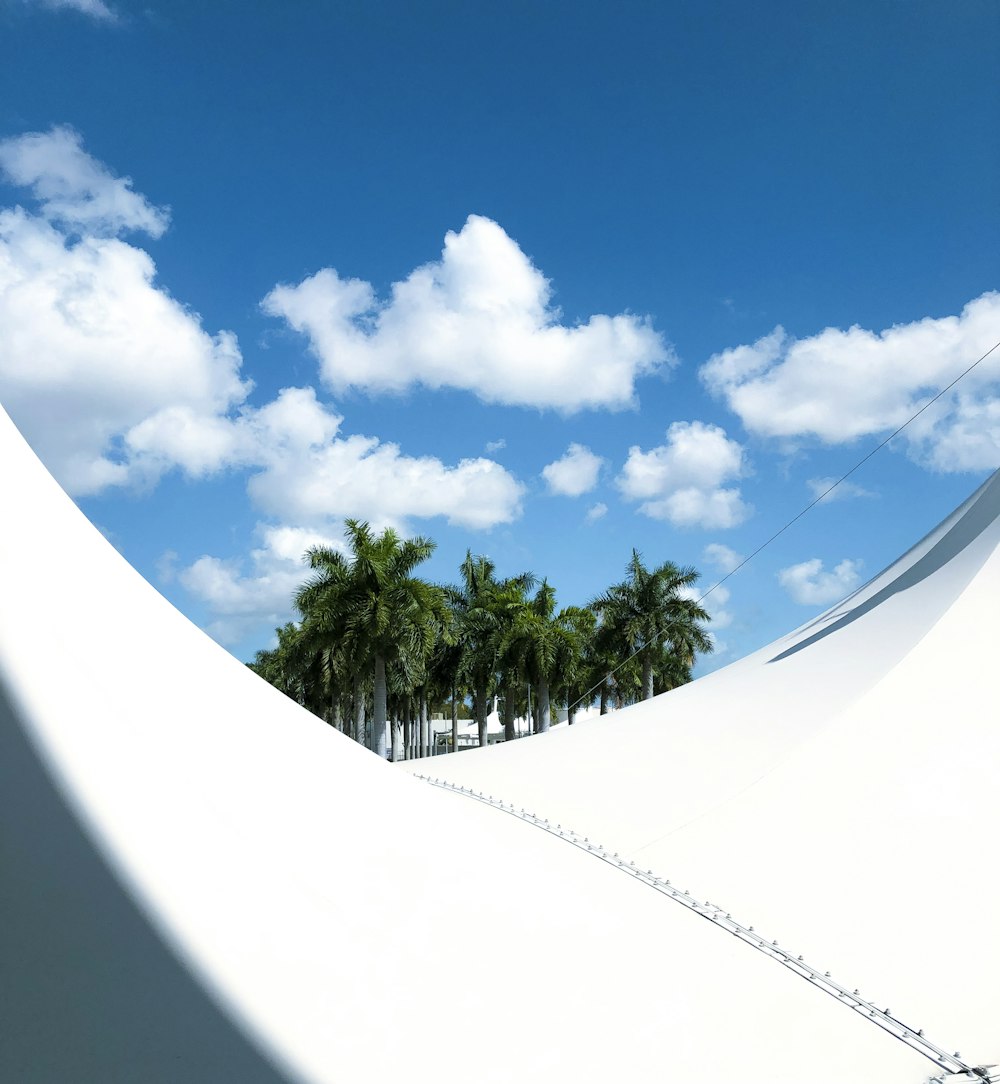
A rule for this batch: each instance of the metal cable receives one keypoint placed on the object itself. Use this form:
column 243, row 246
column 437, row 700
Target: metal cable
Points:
column 951, row 1064
column 812, row 504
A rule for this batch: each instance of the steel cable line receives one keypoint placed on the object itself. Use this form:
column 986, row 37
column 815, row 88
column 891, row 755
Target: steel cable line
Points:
column 952, row 1065
column 588, row 696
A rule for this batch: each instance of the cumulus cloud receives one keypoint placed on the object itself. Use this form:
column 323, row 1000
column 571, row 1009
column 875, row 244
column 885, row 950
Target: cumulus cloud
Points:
column 75, row 189
column 839, row 385
column 166, row 566
column 596, row 512
column 97, row 9
column 715, row 604
column 243, row 595
column 574, row 473
column 309, row 478
column 721, row 557
column 92, row 348
column 809, row 585
column 478, row 319
column 114, row 382
column 308, row 475
column 305, row 471
column 684, row 480
column 845, row 491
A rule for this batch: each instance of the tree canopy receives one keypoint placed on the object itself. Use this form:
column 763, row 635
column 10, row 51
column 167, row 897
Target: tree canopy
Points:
column 374, row 641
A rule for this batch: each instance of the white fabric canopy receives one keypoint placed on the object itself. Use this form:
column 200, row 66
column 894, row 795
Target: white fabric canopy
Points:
column 351, row 923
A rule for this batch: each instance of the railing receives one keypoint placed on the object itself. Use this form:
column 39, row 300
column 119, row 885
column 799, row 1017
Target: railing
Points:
column 951, row 1064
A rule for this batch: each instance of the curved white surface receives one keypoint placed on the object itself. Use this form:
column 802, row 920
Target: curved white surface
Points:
column 360, row 925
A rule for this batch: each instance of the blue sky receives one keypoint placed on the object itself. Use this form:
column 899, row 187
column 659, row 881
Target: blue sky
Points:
column 545, row 281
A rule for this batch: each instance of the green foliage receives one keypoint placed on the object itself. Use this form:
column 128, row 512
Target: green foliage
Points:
column 651, row 616
column 373, row 635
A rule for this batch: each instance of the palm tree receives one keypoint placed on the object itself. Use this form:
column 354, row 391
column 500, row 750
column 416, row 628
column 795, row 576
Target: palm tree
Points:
column 508, row 607
column 275, row 664
column 479, row 604
column 649, row 611
column 401, row 695
column 365, row 611
column 444, row 665
column 438, row 672
column 392, row 613
column 544, row 645
column 408, row 679
column 578, row 677
column 325, row 603
column 470, row 603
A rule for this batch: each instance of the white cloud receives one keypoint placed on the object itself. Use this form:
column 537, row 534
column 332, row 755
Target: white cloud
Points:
column 809, row 585
column 715, row 604
column 574, row 473
column 967, row 437
column 721, row 557
column 311, row 479
column 308, row 476
column 97, row 9
column 113, row 382
column 495, row 445
column 166, row 566
column 479, row 319
column 596, row 512
column 306, row 472
column 242, row 600
column 75, row 189
column 839, row 385
column 683, row 480
column 844, row 491
column 91, row 349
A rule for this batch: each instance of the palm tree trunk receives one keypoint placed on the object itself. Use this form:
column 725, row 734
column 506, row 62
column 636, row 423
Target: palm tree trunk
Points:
column 407, row 737
column 647, row 677
column 604, row 697
column 378, row 722
column 481, row 708
column 454, row 718
column 508, row 711
column 544, row 708
column 359, row 735
column 425, row 724
column 570, row 710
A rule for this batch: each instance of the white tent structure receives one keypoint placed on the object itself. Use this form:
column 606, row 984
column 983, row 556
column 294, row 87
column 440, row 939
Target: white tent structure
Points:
column 201, row 882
